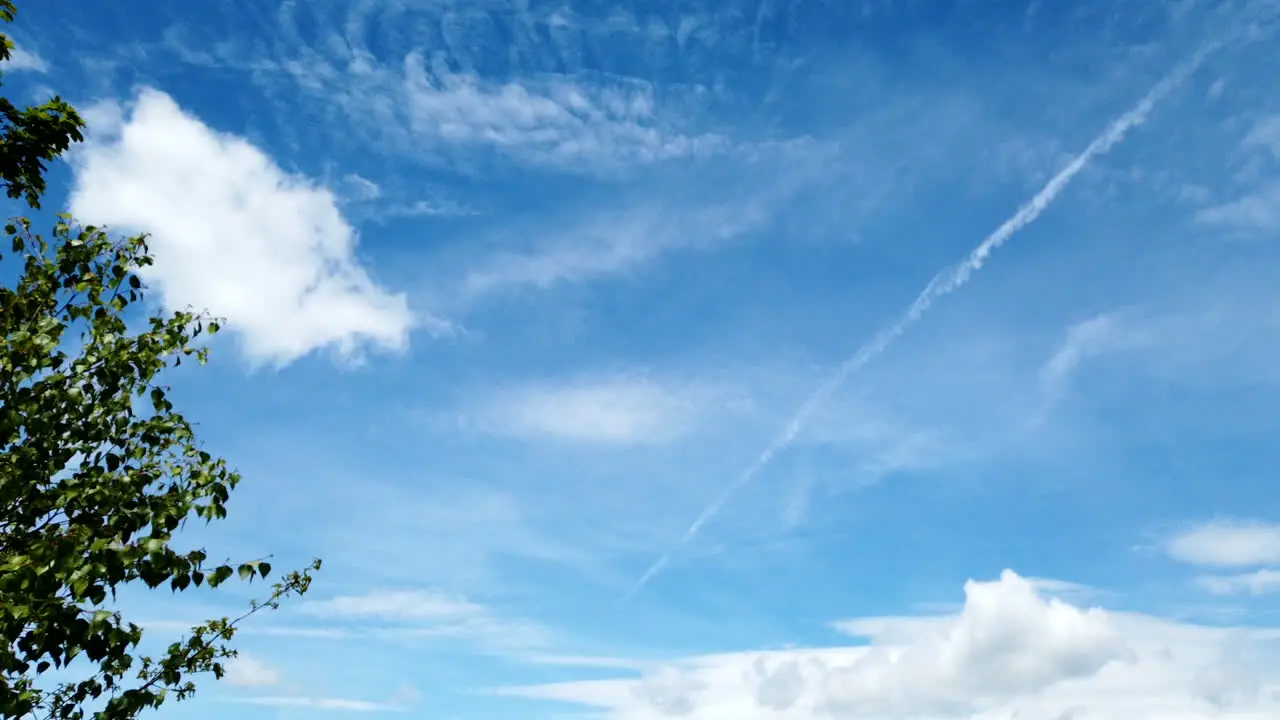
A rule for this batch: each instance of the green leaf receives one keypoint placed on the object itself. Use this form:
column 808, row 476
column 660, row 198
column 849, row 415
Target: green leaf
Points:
column 92, row 483
column 220, row 575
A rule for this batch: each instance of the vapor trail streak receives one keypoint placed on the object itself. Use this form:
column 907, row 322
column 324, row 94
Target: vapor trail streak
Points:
column 943, row 284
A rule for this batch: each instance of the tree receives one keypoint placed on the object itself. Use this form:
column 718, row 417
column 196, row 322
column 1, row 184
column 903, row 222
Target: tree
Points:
column 31, row 137
column 97, row 468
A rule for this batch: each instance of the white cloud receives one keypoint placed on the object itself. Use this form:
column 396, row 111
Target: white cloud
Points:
column 400, row 701
column 577, row 246
column 486, row 633
column 1007, row 641
column 617, row 410
column 233, row 233
column 480, row 526
column 1188, row 340
column 360, row 188
column 395, row 605
column 1228, row 543
column 20, row 59
column 432, row 207
column 1208, row 333
column 249, row 672
column 184, row 626
column 1265, row 134
column 379, row 208
column 583, row 661
column 559, row 123
column 406, row 615
column 1259, row 582
column 613, row 242
column 417, row 104
column 1009, row 653
column 1098, row 335
column 1258, row 210
column 436, row 106
column 322, row 703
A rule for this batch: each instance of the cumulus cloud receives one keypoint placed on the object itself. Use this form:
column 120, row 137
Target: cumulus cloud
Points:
column 1228, row 543
column 1010, row 652
column 1008, row 640
column 233, row 233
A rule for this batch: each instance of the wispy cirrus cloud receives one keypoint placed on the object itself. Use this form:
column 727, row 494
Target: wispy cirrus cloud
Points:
column 402, row 616
column 1257, row 210
column 395, row 605
column 1227, row 543
column 608, row 244
column 553, row 102
column 617, row 238
column 1259, row 582
column 248, row 672
column 401, row 701
column 21, row 59
column 943, row 284
column 560, row 123
column 373, row 204
column 611, row 410
column 439, row 108
column 1204, row 334
column 397, row 617
column 1093, row 337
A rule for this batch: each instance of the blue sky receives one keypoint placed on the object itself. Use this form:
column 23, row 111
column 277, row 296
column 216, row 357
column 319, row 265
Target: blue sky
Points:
column 557, row 330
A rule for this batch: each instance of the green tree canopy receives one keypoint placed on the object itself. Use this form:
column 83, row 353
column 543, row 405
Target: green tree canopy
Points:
column 97, row 468
column 33, row 136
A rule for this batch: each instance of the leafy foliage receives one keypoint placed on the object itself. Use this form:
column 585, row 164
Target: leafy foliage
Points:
column 31, row 137
column 97, row 469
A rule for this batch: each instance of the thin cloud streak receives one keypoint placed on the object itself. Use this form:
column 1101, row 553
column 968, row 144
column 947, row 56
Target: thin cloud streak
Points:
column 942, row 285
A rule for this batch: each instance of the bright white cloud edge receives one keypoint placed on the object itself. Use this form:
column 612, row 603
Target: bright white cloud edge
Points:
column 232, row 233
column 1010, row 652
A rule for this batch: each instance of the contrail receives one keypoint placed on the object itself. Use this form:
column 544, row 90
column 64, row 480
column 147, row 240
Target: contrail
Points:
column 943, row 284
